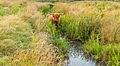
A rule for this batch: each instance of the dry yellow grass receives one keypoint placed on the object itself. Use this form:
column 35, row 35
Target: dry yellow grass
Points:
column 110, row 25
column 11, row 2
column 11, row 23
column 31, row 11
column 42, row 54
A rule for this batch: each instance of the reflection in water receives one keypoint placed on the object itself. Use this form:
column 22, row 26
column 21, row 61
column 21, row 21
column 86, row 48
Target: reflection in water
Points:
column 77, row 58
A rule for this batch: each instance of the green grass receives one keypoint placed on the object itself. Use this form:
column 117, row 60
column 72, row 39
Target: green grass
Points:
column 78, row 27
column 7, row 47
column 58, row 41
column 11, row 9
column 30, row 21
column 46, row 9
column 89, row 29
column 4, row 61
column 15, row 34
column 16, row 8
column 93, row 23
column 92, row 45
column 3, row 11
column 104, row 53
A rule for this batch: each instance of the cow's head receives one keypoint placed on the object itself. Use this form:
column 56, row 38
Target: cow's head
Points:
column 54, row 16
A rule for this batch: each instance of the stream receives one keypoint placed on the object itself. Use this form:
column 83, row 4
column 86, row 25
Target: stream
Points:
column 77, row 57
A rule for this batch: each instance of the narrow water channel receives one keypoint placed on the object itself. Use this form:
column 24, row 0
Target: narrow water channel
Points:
column 77, row 57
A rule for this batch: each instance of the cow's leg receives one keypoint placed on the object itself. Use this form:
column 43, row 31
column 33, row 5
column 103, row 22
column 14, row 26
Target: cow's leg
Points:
column 57, row 25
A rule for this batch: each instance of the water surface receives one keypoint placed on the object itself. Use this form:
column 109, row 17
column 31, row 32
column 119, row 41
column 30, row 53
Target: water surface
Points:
column 77, row 57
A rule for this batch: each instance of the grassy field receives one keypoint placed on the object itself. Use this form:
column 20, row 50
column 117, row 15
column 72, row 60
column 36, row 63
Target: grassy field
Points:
column 96, row 25
column 28, row 39
column 24, row 40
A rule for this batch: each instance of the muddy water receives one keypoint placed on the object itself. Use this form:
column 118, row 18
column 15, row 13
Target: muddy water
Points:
column 77, row 57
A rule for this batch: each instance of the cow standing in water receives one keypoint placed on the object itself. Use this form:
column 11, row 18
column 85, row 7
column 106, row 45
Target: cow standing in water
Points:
column 54, row 18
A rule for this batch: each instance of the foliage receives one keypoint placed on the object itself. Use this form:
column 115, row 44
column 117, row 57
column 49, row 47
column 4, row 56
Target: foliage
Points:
column 46, row 9
column 78, row 27
column 105, row 53
column 3, row 11
column 16, row 8
column 15, row 29
column 11, row 9
column 58, row 41
column 7, row 47
column 23, row 42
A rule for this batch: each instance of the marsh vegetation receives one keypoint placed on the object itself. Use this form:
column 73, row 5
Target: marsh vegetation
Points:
column 27, row 38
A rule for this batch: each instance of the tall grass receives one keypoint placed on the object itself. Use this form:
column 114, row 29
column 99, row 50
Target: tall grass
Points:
column 22, row 43
column 58, row 41
column 11, row 9
column 104, row 53
column 96, row 30
column 37, row 54
column 78, row 27
column 46, row 9
column 14, row 28
column 15, row 34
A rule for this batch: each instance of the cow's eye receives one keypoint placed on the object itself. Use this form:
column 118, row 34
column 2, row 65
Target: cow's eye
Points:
column 53, row 16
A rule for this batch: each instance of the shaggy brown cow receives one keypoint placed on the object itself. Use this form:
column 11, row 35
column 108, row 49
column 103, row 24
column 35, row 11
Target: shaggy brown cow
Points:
column 54, row 18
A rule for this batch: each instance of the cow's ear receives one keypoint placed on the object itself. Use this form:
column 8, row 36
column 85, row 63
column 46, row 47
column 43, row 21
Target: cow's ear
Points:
column 48, row 15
